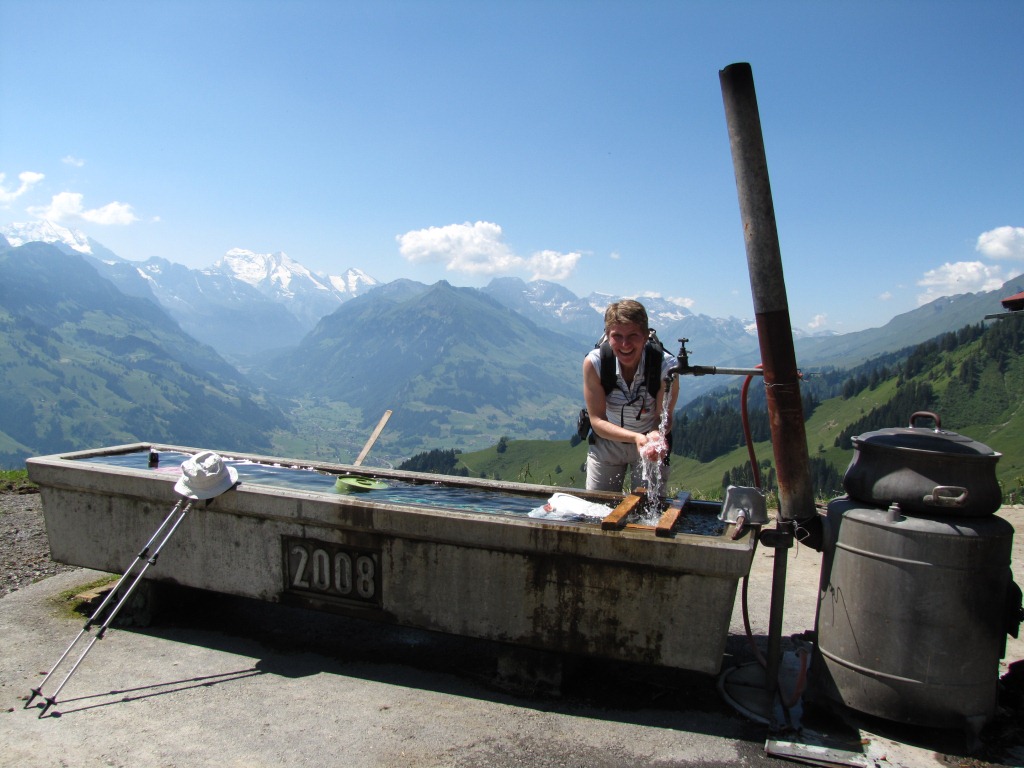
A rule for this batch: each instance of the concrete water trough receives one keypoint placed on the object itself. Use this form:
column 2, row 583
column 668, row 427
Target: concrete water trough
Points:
column 613, row 591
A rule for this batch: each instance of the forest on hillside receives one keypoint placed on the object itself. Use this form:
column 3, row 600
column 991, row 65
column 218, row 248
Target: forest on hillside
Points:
column 971, row 376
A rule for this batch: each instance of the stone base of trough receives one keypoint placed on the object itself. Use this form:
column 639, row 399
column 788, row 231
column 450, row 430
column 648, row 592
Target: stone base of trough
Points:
column 619, row 594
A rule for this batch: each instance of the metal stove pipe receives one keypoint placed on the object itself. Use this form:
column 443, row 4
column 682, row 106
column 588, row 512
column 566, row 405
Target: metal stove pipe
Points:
column 771, row 309
column 775, row 338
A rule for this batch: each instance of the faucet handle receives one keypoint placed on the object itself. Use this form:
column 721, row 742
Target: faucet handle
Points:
column 683, row 355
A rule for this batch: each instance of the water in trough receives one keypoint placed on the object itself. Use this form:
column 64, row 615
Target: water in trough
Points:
column 433, row 494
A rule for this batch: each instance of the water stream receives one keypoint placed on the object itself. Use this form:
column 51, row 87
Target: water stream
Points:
column 651, row 471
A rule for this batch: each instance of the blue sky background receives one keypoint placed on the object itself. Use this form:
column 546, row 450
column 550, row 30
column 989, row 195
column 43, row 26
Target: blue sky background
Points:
column 583, row 142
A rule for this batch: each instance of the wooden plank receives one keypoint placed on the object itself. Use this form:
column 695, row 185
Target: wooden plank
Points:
column 671, row 515
column 617, row 517
column 824, row 757
column 373, row 438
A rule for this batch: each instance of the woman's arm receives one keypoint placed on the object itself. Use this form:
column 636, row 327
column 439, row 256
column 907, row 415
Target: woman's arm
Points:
column 597, row 407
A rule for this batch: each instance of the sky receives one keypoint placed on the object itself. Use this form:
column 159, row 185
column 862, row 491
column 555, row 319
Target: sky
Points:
column 579, row 142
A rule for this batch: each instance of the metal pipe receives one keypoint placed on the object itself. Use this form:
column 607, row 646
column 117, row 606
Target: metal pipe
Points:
column 768, row 287
column 774, row 335
column 713, row 370
column 683, row 367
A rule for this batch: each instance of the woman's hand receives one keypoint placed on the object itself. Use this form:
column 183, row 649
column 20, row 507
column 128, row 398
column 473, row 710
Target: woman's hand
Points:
column 653, row 446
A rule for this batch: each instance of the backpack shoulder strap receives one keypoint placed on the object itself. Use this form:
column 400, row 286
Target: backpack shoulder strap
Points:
column 607, row 367
column 654, row 355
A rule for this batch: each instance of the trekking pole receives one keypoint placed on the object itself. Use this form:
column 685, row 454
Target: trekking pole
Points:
column 174, row 518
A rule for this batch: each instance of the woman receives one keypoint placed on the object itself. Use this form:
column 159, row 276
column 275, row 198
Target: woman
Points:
column 625, row 420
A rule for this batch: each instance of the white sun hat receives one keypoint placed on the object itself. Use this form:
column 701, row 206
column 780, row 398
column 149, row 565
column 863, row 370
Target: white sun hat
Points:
column 204, row 476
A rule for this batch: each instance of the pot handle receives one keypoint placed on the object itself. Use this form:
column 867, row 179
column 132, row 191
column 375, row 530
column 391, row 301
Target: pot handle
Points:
column 926, row 415
column 946, row 496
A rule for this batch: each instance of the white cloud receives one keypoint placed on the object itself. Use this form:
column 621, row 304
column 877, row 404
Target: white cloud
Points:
column 111, row 213
column 68, row 205
column 479, row 249
column 885, row 296
column 552, row 265
column 818, row 321
column 614, row 256
column 1002, row 243
column 961, row 277
column 474, row 248
column 72, row 160
column 27, row 179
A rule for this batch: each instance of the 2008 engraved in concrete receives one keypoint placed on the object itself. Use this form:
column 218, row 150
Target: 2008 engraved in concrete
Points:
column 332, row 570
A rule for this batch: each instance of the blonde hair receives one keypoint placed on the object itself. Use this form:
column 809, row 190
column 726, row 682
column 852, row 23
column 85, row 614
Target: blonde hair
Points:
column 625, row 312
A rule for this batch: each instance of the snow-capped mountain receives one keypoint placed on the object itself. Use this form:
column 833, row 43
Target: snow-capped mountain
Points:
column 68, row 240
column 353, row 281
column 46, row 232
column 717, row 341
column 547, row 304
column 552, row 306
column 245, row 304
column 306, row 294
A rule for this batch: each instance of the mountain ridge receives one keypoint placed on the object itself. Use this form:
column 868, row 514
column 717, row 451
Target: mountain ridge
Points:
column 458, row 365
column 244, row 305
column 438, row 355
column 213, row 302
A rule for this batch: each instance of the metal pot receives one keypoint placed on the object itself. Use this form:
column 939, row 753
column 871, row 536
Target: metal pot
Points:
column 927, row 471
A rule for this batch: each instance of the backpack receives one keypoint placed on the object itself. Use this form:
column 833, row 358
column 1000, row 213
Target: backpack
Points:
column 653, row 355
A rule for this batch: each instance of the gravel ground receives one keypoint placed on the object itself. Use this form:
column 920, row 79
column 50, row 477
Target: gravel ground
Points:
column 24, row 550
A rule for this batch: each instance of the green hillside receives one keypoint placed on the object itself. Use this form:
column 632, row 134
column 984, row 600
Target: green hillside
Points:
column 454, row 366
column 83, row 366
column 973, row 379
column 545, row 462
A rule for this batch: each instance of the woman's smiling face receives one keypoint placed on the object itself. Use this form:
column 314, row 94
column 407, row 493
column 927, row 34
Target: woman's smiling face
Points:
column 627, row 342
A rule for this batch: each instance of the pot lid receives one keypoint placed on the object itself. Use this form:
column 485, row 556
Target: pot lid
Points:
column 933, row 439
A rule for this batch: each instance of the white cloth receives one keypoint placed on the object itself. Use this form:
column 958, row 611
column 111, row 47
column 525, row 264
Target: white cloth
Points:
column 562, row 506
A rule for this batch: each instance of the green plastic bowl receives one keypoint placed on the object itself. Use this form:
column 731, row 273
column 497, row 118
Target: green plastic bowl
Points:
column 356, row 483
